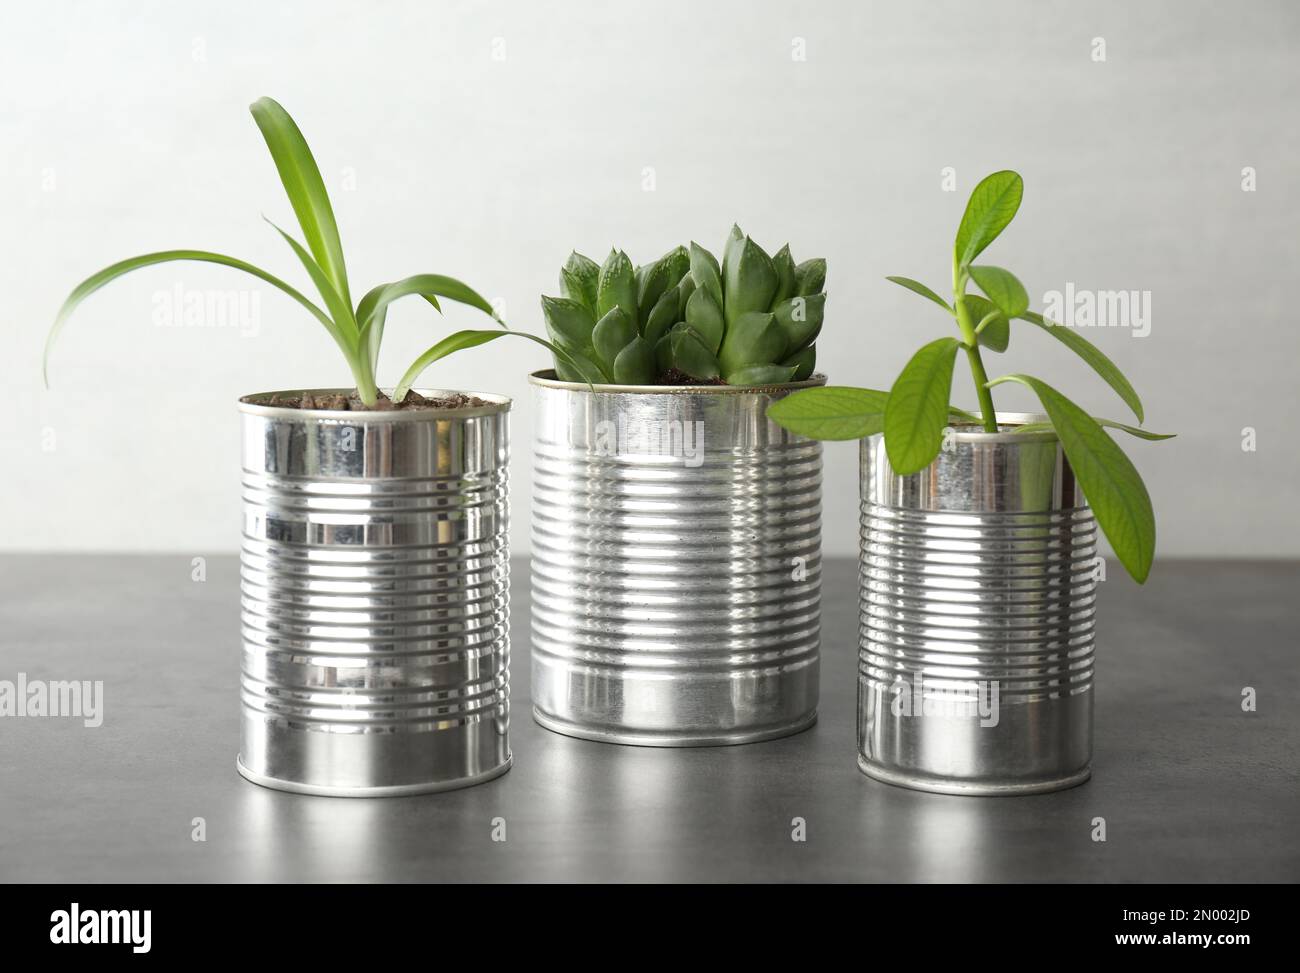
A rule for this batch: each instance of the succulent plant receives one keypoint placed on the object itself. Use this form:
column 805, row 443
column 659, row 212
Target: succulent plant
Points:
column 749, row 320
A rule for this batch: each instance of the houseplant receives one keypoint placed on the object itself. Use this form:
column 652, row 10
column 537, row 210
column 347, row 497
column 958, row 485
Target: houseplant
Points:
column 676, row 569
column 979, row 558
column 374, row 563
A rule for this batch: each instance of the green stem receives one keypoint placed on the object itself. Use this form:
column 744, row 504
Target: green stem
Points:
column 981, row 389
column 363, row 375
column 971, row 343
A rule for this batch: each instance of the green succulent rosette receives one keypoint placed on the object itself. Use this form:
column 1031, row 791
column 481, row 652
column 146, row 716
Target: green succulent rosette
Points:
column 752, row 319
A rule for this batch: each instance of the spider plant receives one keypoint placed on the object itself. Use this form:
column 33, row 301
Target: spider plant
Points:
column 357, row 329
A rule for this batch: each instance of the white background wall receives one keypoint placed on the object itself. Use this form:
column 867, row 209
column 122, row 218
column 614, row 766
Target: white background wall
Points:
column 125, row 130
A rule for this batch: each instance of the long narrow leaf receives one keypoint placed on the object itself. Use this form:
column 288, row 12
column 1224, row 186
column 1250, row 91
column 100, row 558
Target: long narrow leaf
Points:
column 916, row 287
column 338, row 308
column 378, row 299
column 1134, row 431
column 305, row 189
column 471, row 339
column 375, row 333
column 1003, row 288
column 1149, row 436
column 1093, row 355
column 917, row 410
column 111, row 273
column 374, row 338
column 1109, row 479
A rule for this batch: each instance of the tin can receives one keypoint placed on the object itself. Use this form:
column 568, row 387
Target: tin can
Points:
column 978, row 599
column 676, row 565
column 374, row 582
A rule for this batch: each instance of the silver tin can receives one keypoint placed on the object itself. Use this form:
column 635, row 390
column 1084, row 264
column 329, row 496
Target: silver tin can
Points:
column 676, row 568
column 375, row 603
column 979, row 584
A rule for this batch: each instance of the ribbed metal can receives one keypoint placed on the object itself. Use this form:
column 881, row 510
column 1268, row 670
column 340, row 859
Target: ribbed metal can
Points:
column 676, row 564
column 978, row 599
column 374, row 581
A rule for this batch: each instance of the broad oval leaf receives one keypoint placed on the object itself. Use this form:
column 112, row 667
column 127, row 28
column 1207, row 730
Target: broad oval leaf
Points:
column 837, row 412
column 996, row 333
column 916, row 287
column 305, row 189
column 110, row 273
column 1109, row 479
column 832, row 412
column 992, row 205
column 917, row 410
column 1003, row 288
column 1093, row 355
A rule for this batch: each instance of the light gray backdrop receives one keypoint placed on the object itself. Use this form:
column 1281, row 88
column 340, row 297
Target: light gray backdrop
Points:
column 487, row 140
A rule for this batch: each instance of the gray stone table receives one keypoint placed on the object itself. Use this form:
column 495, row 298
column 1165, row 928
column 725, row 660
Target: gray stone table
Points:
column 1190, row 786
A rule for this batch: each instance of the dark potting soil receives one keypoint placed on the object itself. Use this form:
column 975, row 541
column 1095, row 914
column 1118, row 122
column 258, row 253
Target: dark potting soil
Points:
column 674, row 377
column 414, row 402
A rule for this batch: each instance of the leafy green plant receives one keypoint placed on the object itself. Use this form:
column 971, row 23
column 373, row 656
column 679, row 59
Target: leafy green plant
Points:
column 749, row 320
column 357, row 330
column 914, row 413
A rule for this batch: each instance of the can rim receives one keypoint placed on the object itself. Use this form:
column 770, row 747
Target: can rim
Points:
column 546, row 379
column 970, row 433
column 495, row 405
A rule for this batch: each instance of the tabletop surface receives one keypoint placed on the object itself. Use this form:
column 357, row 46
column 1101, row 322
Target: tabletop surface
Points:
column 1191, row 787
